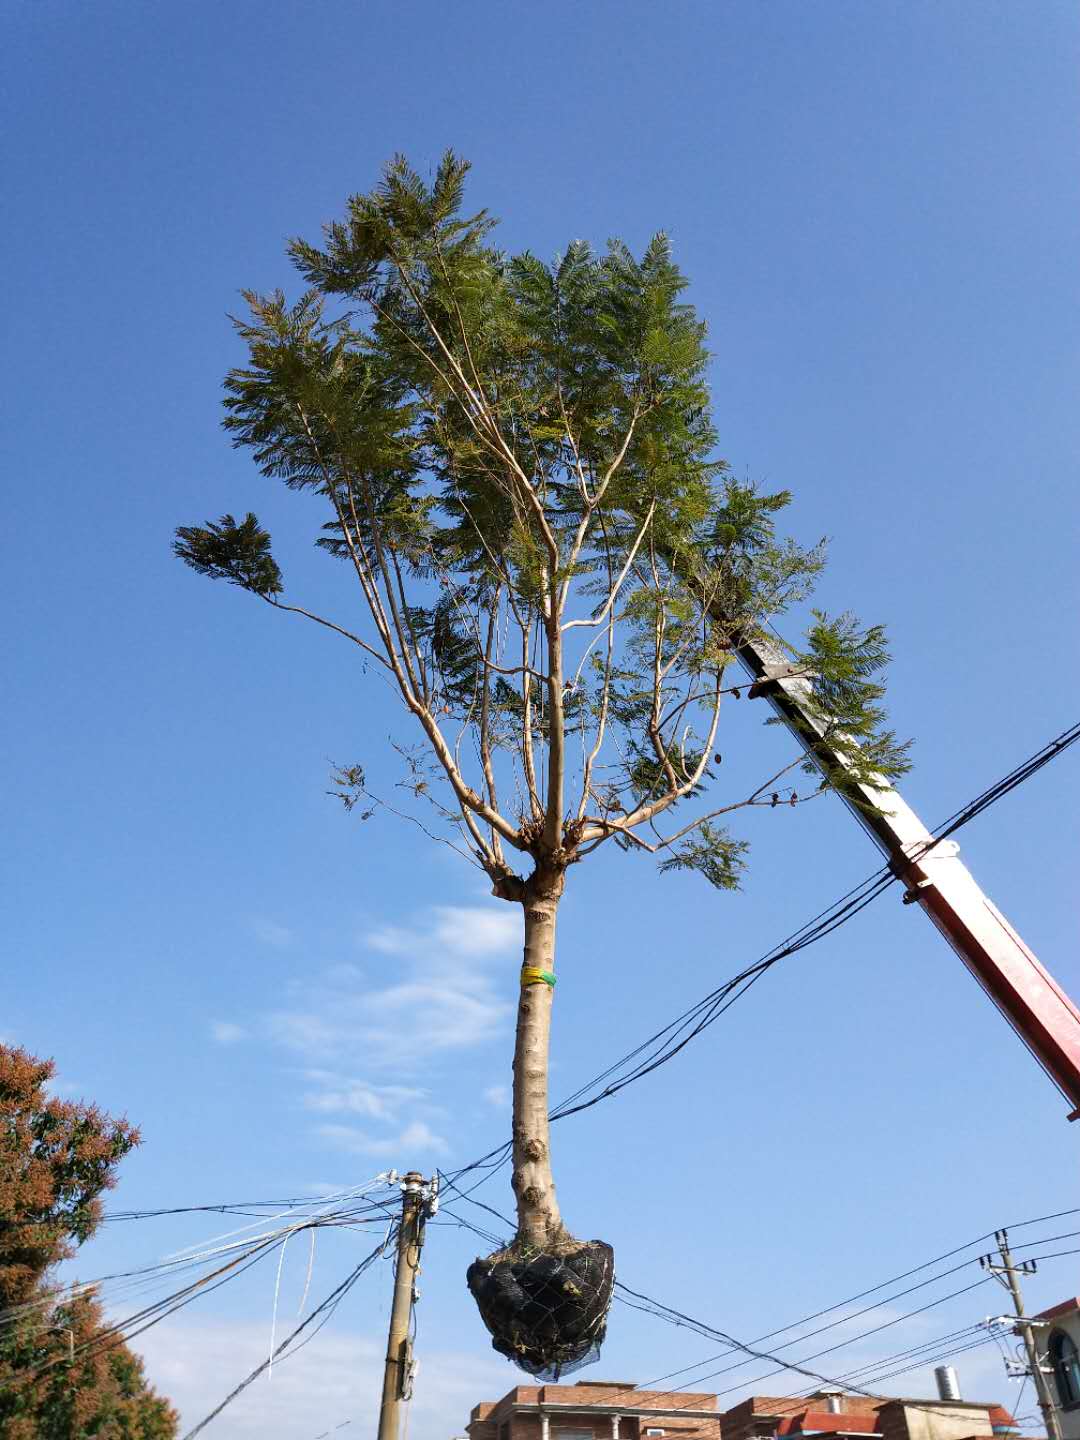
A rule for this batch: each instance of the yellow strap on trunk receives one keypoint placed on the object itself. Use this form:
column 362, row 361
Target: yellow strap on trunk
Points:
column 533, row 975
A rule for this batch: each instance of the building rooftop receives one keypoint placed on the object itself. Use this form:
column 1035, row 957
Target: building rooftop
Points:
column 1063, row 1307
column 829, row 1422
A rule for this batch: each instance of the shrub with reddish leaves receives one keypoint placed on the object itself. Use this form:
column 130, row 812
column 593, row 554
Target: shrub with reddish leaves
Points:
column 63, row 1376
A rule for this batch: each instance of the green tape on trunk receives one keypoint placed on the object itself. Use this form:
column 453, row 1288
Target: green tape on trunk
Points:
column 533, row 975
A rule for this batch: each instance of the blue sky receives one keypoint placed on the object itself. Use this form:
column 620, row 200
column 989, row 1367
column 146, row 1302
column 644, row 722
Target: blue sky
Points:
column 877, row 205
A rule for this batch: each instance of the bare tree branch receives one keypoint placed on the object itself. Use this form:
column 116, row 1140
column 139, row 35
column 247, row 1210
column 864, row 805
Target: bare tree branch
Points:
column 592, row 502
column 598, row 618
column 329, row 624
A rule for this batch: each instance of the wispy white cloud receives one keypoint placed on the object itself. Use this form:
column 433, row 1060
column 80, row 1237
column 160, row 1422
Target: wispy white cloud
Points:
column 358, row 1097
column 417, row 1138
column 428, row 990
column 440, row 998
column 470, row 931
column 271, row 933
column 391, row 940
column 396, row 1027
column 224, row 1032
column 498, row 1096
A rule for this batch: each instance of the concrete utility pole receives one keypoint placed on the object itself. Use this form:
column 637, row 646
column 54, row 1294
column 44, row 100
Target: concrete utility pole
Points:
column 416, row 1205
column 1023, row 1326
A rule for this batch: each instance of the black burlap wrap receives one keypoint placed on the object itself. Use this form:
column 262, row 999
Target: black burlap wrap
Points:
column 546, row 1312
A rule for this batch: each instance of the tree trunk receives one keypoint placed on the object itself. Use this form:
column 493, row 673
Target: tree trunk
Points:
column 546, row 1296
column 539, row 1222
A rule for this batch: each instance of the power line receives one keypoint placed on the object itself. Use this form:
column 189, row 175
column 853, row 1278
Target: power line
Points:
column 698, row 1018
column 667, row 1042
column 678, row 1318
column 650, row 1306
column 229, row 1261
column 950, row 1340
column 241, row 1207
column 871, row 1372
column 946, row 1354
column 325, row 1308
column 1054, row 1255
column 111, row 1336
column 649, row 1056
column 876, row 1372
column 843, row 1344
column 752, row 1351
column 229, row 1207
column 888, row 1300
column 675, row 1036
column 1022, row 772
column 871, row 1289
column 360, row 1208
column 882, row 1368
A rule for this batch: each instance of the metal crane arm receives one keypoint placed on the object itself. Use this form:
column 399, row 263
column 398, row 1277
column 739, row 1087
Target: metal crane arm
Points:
column 935, row 877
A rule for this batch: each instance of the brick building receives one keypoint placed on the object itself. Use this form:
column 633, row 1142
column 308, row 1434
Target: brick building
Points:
column 614, row 1410
column 830, row 1413
column 595, row 1410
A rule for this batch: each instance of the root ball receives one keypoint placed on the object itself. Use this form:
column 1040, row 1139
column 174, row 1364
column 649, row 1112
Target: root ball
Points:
column 546, row 1312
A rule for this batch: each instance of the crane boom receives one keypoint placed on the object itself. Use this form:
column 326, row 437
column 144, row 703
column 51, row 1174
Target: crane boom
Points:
column 935, row 877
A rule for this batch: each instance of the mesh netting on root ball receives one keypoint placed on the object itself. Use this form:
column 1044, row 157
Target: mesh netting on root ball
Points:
column 547, row 1312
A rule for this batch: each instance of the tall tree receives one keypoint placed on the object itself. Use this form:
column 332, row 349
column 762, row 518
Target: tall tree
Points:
column 63, row 1374
column 518, row 464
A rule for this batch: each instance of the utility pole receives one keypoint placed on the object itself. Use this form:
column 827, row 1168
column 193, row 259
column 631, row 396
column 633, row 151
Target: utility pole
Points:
column 418, row 1201
column 1023, row 1326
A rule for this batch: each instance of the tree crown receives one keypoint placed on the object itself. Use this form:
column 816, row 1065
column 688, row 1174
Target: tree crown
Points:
column 63, row 1372
column 519, row 464
column 56, row 1158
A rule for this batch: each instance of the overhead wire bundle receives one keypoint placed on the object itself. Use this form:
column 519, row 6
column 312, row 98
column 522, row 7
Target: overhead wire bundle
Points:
column 215, row 1263
column 967, row 1337
column 855, row 1379
column 752, row 1349
column 324, row 1309
column 644, row 1059
column 662, row 1046
column 667, row 1042
column 356, row 1200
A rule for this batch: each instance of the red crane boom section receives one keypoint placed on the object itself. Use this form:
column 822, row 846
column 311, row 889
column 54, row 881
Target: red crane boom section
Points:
column 935, row 877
